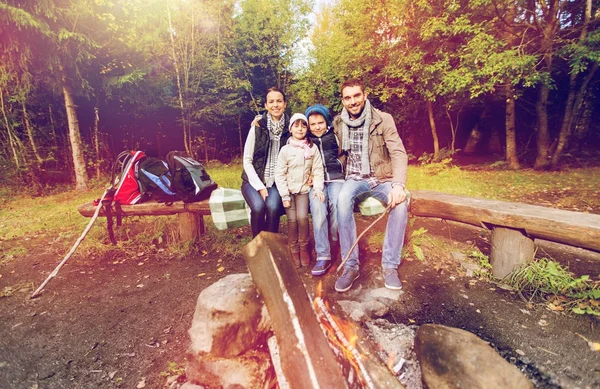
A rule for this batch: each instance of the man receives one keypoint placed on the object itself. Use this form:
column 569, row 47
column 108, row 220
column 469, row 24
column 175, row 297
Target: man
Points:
column 321, row 134
column 376, row 166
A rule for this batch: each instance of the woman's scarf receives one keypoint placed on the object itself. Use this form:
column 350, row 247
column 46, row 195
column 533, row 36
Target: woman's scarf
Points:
column 309, row 151
column 365, row 121
column 275, row 130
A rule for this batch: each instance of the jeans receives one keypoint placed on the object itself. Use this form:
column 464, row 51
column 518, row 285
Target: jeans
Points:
column 353, row 190
column 264, row 214
column 319, row 212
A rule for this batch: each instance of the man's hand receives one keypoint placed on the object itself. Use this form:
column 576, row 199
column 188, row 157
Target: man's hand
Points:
column 287, row 203
column 264, row 193
column 396, row 196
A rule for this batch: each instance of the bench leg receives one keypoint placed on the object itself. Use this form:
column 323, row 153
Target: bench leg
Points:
column 510, row 249
column 191, row 226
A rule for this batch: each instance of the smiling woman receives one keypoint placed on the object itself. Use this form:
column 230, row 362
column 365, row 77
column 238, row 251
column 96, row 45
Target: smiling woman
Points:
column 264, row 141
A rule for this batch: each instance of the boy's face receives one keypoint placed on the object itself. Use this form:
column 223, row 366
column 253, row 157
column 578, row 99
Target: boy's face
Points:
column 299, row 129
column 354, row 100
column 317, row 124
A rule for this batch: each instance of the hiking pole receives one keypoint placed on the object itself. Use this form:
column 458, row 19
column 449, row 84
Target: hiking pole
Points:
column 387, row 209
column 77, row 243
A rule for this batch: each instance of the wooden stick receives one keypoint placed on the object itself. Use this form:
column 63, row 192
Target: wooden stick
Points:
column 77, row 243
column 361, row 235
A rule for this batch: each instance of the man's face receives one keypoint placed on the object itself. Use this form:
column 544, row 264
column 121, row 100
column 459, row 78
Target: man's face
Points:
column 354, row 100
column 317, row 124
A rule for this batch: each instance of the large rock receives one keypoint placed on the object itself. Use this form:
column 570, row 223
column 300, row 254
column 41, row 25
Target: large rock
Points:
column 229, row 318
column 253, row 370
column 453, row 358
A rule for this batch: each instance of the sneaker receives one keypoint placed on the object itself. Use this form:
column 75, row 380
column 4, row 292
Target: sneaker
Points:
column 392, row 281
column 321, row 267
column 344, row 283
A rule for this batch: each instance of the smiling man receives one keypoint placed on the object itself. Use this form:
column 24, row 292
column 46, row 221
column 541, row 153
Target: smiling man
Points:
column 376, row 166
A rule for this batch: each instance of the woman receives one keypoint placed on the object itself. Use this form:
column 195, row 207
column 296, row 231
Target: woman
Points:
column 264, row 141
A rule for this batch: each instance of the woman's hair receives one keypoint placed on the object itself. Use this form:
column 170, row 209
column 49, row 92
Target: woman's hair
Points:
column 274, row 89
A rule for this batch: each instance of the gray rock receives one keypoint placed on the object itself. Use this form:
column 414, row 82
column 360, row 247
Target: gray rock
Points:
column 252, row 370
column 382, row 294
column 353, row 309
column 470, row 268
column 189, row 385
column 453, row 358
column 228, row 320
column 459, row 256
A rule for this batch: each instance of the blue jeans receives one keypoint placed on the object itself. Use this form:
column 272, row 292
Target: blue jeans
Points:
column 264, row 214
column 319, row 212
column 353, row 190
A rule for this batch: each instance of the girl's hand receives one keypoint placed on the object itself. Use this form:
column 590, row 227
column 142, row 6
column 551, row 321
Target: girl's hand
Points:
column 287, row 203
column 320, row 196
column 264, row 193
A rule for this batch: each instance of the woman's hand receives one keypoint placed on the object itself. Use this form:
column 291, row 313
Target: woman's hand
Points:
column 287, row 203
column 264, row 193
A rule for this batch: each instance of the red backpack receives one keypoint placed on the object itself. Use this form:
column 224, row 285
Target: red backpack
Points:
column 124, row 178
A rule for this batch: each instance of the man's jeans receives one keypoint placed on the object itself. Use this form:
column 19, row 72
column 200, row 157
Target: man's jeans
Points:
column 264, row 214
column 394, row 232
column 319, row 212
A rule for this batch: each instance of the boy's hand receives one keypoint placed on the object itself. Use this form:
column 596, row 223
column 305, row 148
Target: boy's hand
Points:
column 320, row 196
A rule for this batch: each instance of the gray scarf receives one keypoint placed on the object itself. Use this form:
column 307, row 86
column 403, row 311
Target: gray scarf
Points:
column 365, row 121
column 275, row 130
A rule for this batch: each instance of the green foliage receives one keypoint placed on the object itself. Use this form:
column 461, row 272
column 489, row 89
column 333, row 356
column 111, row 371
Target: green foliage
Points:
column 173, row 368
column 12, row 253
column 547, row 279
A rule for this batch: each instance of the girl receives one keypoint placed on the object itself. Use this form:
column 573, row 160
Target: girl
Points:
column 264, row 141
column 297, row 162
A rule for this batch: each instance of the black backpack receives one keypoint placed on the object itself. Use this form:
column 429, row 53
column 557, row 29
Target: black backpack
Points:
column 155, row 180
column 189, row 180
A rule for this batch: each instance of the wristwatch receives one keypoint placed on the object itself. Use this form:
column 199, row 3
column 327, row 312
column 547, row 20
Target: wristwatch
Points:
column 397, row 184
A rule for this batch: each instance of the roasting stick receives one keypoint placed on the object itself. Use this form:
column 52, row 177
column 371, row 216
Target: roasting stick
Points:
column 77, row 243
column 361, row 235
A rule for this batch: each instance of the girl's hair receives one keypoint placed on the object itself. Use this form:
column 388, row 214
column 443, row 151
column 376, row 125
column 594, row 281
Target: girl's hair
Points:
column 306, row 137
column 274, row 89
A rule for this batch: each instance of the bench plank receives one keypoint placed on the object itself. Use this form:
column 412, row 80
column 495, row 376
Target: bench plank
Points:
column 567, row 227
column 151, row 209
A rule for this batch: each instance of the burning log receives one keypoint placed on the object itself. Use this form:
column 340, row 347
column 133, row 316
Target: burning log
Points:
column 306, row 343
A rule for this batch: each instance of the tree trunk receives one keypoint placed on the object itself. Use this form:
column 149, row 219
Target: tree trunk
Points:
column 30, row 134
column 436, row 142
column 54, row 137
column 97, row 141
column 567, row 123
column 13, row 144
column 543, row 135
column 240, row 134
column 81, row 179
column 511, row 135
column 187, row 142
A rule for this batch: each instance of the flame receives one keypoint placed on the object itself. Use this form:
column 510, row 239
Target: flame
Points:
column 320, row 289
column 390, row 361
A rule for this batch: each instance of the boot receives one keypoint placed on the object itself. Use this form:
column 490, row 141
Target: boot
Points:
column 303, row 242
column 293, row 243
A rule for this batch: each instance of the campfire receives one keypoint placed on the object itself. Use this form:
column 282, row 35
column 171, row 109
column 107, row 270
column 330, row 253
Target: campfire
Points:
column 322, row 350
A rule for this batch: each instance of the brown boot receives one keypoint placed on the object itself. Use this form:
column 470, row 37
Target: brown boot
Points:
column 295, row 256
column 304, row 256
column 303, row 241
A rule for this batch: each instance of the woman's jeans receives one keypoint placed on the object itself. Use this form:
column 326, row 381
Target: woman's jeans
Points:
column 396, row 226
column 264, row 214
column 319, row 212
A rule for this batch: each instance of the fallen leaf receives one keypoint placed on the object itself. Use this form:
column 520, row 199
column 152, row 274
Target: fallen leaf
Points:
column 542, row 323
column 525, row 311
column 111, row 375
column 521, row 353
column 594, row 346
column 411, row 321
column 140, row 285
column 141, row 384
column 201, row 274
column 553, row 307
column 204, row 253
column 220, row 269
column 140, row 254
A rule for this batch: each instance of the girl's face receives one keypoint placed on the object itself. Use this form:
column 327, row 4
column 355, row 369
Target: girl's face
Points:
column 275, row 104
column 299, row 129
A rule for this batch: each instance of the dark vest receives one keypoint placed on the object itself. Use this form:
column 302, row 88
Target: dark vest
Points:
column 262, row 145
column 328, row 147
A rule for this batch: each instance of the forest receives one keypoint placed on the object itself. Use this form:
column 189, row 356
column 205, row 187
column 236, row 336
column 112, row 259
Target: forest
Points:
column 82, row 80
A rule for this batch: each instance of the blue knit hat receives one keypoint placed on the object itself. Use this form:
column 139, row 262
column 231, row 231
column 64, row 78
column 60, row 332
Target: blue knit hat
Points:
column 321, row 110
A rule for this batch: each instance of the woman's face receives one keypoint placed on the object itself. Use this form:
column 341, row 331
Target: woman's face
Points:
column 275, row 104
column 299, row 129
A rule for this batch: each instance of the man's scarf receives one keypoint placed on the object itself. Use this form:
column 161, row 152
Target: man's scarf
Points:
column 275, row 130
column 365, row 121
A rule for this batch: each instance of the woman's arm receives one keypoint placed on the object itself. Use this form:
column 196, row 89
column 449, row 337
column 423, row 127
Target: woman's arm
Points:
column 253, row 178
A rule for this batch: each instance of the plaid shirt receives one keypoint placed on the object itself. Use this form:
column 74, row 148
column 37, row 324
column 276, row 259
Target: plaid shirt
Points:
column 353, row 166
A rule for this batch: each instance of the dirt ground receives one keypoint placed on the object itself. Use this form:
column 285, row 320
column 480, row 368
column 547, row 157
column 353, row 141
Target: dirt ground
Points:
column 115, row 322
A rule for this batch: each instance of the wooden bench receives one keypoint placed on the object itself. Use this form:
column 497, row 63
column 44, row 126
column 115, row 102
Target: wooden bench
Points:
column 514, row 226
column 189, row 215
